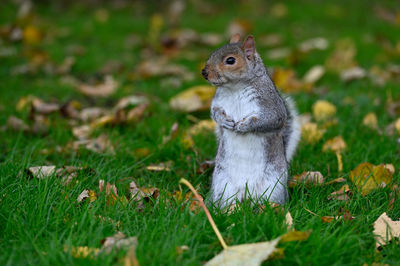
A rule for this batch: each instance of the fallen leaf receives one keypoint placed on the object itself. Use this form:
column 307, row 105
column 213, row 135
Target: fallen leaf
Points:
column 353, row 73
column 132, row 100
column 158, row 67
column 385, row 229
column 314, row 74
column 130, row 258
column 90, row 114
column 194, row 204
column 342, row 57
column 310, row 133
column 41, row 107
column 181, row 249
column 32, row 35
column 390, row 167
column 101, row 144
column 336, row 180
column 118, row 241
column 17, row 124
column 336, row 144
column 197, row 98
column 87, row 194
column 82, row 132
column 287, row 80
column 368, row 177
column 160, row 167
column 341, row 194
column 68, row 173
column 41, row 172
column 289, row 221
column 295, row 236
column 140, row 193
column 308, row 177
column 246, row 254
column 84, row 252
column 136, row 113
column 104, row 89
column 397, row 126
column 323, row 110
column 318, row 43
column 370, row 120
column 239, row 26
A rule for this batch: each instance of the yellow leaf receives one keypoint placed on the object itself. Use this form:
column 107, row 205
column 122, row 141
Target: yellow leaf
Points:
column 368, row 177
column 371, row 121
column 286, row 80
column 246, row 254
column 197, row 98
column 202, row 126
column 385, row 229
column 32, row 35
column 310, row 133
column 323, row 110
column 84, row 252
column 295, row 236
column 336, row 144
column 397, row 126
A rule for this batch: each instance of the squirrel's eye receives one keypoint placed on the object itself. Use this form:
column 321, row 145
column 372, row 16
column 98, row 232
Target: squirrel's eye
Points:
column 230, row 60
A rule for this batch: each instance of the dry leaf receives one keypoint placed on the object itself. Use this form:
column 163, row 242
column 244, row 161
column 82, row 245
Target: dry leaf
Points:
column 118, row 241
column 368, row 177
column 136, row 113
column 289, row 221
column 323, row 110
column 160, row 167
column 288, row 82
column 370, row 120
column 318, row 43
column 385, row 229
column 40, row 107
column 341, row 194
column 397, row 126
column 197, row 98
column 32, row 35
column 87, row 194
column 41, row 172
column 353, row 73
column 84, row 252
column 91, row 113
column 100, row 144
column 310, row 133
column 342, row 57
column 156, row 67
column 246, row 254
column 336, row 144
column 336, row 180
column 17, row 124
column 308, row 177
column 100, row 90
column 314, row 74
column 131, row 100
column 139, row 193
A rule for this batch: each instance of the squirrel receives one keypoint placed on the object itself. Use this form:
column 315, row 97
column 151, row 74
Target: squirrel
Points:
column 257, row 128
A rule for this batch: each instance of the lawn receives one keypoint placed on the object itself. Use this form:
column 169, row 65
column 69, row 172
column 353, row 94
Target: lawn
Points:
column 41, row 220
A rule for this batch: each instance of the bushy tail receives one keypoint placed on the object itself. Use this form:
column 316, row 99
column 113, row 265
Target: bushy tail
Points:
column 291, row 132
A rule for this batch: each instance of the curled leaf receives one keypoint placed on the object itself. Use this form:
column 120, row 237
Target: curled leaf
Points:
column 368, row 177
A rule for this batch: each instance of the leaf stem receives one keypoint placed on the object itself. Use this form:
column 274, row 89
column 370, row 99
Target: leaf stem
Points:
column 210, row 219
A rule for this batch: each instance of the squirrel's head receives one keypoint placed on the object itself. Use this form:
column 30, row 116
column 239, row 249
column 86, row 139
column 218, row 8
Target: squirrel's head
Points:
column 233, row 63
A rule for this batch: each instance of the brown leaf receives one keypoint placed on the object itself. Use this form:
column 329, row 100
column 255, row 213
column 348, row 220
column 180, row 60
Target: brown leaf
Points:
column 385, row 229
column 100, row 144
column 139, row 193
column 197, row 98
column 341, row 194
column 87, row 194
column 131, row 100
column 136, row 113
column 318, row 43
column 100, row 90
column 368, row 177
column 336, row 144
column 158, row 67
column 17, row 124
column 41, row 107
column 342, row 57
column 118, row 241
column 309, row 177
column 289, row 221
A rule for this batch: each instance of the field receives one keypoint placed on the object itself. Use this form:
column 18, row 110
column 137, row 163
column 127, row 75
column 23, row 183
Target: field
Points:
column 50, row 53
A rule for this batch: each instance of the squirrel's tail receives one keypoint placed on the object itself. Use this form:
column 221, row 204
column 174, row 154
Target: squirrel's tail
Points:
column 291, row 131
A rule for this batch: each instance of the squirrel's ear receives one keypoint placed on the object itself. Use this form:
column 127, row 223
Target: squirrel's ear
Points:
column 249, row 47
column 235, row 38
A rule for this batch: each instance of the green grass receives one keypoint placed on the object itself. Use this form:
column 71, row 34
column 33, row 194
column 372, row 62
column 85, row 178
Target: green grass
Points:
column 40, row 218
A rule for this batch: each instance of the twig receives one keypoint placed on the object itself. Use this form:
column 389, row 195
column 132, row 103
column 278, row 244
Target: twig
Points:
column 210, row 219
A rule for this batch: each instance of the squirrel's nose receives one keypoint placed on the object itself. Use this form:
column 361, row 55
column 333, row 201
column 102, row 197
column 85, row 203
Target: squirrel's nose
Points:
column 204, row 73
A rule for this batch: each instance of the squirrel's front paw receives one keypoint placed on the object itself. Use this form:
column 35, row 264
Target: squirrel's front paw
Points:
column 223, row 119
column 228, row 123
column 244, row 125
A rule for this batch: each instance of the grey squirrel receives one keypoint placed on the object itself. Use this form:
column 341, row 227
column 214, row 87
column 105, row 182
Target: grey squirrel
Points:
column 258, row 129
